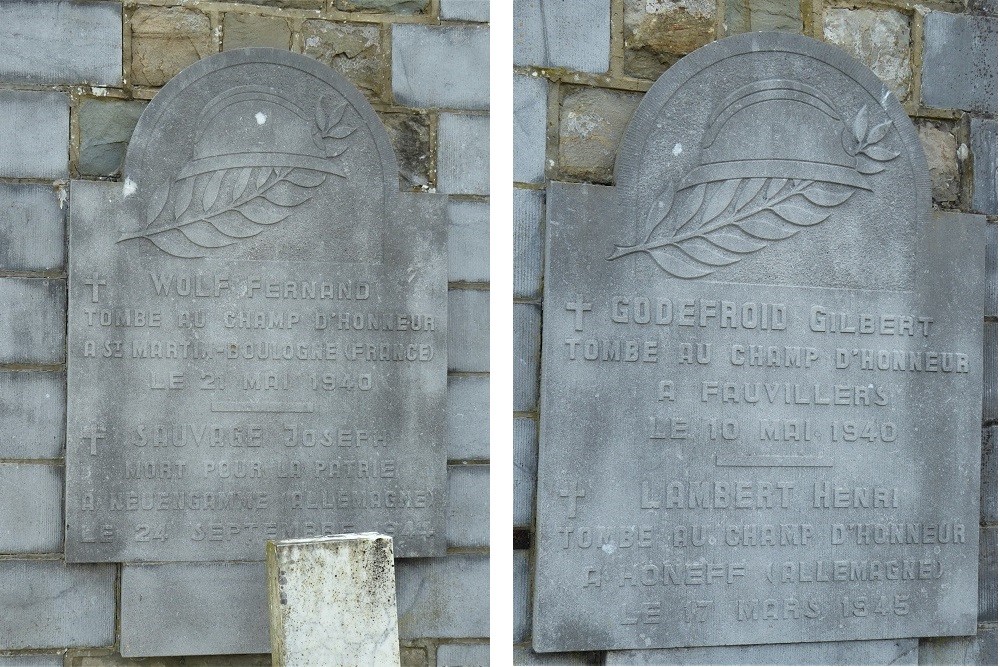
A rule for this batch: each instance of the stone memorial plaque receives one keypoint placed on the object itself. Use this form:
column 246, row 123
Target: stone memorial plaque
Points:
column 761, row 370
column 257, row 326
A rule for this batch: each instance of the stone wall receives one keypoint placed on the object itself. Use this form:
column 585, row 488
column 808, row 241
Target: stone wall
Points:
column 580, row 70
column 74, row 78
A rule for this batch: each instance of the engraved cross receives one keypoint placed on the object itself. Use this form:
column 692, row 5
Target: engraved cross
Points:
column 571, row 494
column 95, row 284
column 580, row 306
column 94, row 432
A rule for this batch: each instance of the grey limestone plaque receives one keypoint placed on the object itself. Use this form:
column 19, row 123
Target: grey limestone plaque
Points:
column 257, row 326
column 761, row 370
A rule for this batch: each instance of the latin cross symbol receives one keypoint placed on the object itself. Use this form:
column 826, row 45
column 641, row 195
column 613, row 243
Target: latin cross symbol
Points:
column 571, row 493
column 580, row 306
column 94, row 432
column 95, row 283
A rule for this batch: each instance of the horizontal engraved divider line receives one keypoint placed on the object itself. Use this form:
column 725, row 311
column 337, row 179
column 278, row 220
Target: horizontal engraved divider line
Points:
column 777, row 461
column 235, row 406
column 812, row 287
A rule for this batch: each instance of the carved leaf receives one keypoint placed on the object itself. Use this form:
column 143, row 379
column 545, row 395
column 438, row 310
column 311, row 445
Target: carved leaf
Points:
column 211, row 194
column 880, row 154
column 861, row 124
column 719, row 200
column 242, row 181
column 751, row 188
column 774, row 186
column 877, row 133
column 185, row 193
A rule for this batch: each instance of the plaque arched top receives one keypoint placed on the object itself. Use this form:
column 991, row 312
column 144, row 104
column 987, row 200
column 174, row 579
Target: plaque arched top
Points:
column 256, row 144
column 752, row 139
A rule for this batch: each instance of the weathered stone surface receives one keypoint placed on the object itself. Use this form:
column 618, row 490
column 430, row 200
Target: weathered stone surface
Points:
column 988, row 574
column 991, row 271
column 34, row 133
column 525, row 469
column 980, row 649
column 468, row 506
column 32, row 228
column 468, row 330
column 522, row 601
column 466, row 655
column 32, row 414
column 193, row 609
column 31, row 497
column 441, row 66
column 941, row 149
column 32, row 660
column 443, row 597
column 989, row 379
column 468, row 241
column 591, row 123
column 988, row 475
column 528, row 205
column 105, row 129
column 879, row 39
column 165, row 40
column 410, row 134
column 575, row 35
column 333, row 599
column 412, row 656
column 243, row 30
column 466, row 10
column 388, row 6
column 352, row 50
column 758, row 15
column 525, row 656
column 659, row 32
column 33, row 326
column 61, row 42
column 463, row 165
column 259, row 250
column 875, row 652
column 959, row 63
column 467, row 430
column 527, row 343
column 530, row 112
column 107, row 658
column 47, row 604
column 983, row 142
column 761, row 159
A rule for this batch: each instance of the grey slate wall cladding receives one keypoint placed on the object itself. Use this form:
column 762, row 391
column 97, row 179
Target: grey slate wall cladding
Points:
column 34, row 133
column 32, row 228
column 32, row 324
column 32, row 415
column 959, row 69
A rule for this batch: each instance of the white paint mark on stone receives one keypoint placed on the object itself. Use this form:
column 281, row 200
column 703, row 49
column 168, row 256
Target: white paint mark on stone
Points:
column 678, row 149
column 261, row 117
column 129, row 187
column 608, row 548
column 312, row 41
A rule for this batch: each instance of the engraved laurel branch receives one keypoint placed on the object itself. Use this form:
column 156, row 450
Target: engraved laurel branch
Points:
column 701, row 228
column 219, row 207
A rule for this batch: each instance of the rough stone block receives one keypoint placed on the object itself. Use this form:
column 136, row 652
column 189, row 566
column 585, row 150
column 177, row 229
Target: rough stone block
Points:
column 443, row 597
column 658, row 33
column 522, row 597
column 47, row 604
column 873, row 652
column 530, row 112
column 960, row 62
column 61, row 42
column 386, row 6
column 980, row 649
column 527, row 344
column 194, row 609
column 983, row 140
column 243, row 30
column 463, row 154
column 468, row 241
column 988, row 574
column 32, row 228
column 528, row 216
column 466, row 10
column 988, row 488
column 467, row 430
column 552, row 33
column 32, row 320
column 108, row 658
column 32, row 660
column 989, row 371
column 525, row 656
column 465, row 655
column 941, row 148
column 441, row 66
column 757, row 15
column 468, row 330
column 468, row 513
column 354, row 51
column 410, row 134
column 525, row 469
column 879, row 39
column 333, row 598
column 31, row 498
column 34, row 134
column 165, row 40
column 591, row 124
column 412, row 656
column 990, row 307
column 105, row 129
column 32, row 414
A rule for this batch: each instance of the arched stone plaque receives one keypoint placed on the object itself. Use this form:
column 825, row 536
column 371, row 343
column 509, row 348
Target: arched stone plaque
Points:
column 761, row 370
column 257, row 326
